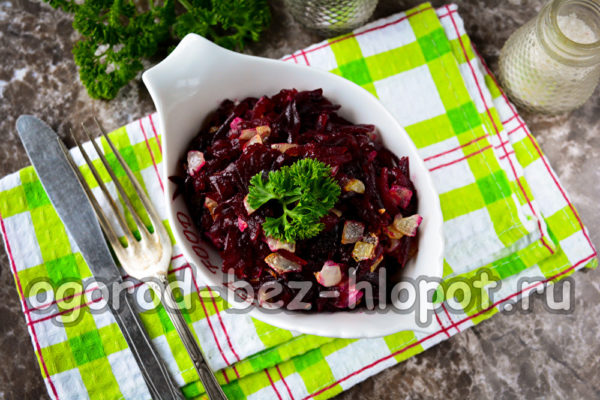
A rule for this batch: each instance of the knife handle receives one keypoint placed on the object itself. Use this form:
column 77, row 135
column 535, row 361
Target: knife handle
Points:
column 156, row 375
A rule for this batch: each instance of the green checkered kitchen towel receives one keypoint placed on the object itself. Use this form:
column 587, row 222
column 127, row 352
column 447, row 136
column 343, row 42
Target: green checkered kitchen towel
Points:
column 505, row 213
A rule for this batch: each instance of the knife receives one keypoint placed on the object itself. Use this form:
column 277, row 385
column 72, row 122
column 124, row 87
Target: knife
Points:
column 68, row 197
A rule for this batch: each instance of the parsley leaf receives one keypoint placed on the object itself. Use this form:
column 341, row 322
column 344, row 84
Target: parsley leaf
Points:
column 306, row 192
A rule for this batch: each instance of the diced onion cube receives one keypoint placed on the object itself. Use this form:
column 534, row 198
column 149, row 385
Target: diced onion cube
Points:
column 393, row 233
column 247, row 134
column 283, row 147
column 408, row 225
column 354, row 185
column 195, row 161
column 210, row 204
column 330, row 274
column 352, row 232
column 263, row 131
column 249, row 209
column 275, row 244
column 363, row 251
column 281, row 265
column 337, row 212
column 255, row 139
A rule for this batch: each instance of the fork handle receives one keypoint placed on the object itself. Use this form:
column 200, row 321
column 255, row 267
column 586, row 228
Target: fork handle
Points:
column 208, row 379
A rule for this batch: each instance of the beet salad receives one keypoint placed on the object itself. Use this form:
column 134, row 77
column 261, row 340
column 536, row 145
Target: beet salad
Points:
column 288, row 191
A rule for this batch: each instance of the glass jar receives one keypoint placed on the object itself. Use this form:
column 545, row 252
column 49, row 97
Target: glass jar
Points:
column 552, row 63
column 331, row 17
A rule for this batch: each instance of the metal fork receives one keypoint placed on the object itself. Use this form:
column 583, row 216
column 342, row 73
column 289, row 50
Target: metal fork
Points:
column 146, row 259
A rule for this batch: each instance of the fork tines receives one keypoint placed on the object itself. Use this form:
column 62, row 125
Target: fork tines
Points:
column 139, row 191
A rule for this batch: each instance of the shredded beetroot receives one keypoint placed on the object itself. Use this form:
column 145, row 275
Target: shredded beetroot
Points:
column 299, row 125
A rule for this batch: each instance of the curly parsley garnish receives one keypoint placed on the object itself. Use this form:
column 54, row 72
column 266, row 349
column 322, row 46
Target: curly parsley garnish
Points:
column 118, row 35
column 306, row 192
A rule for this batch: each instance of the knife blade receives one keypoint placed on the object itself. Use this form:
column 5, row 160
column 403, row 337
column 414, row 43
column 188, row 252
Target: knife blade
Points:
column 68, row 197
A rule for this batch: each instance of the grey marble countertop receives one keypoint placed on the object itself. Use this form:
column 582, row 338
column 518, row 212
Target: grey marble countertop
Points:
column 536, row 355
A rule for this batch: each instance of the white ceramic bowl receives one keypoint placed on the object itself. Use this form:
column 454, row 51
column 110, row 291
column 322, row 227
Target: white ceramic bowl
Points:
column 194, row 79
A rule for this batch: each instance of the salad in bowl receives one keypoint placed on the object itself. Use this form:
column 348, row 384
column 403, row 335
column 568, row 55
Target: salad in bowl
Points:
column 288, row 191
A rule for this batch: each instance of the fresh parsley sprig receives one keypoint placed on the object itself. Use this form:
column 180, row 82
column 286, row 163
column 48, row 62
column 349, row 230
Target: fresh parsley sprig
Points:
column 118, row 35
column 306, row 192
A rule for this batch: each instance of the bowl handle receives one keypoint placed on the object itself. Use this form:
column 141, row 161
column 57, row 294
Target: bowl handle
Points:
column 194, row 59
